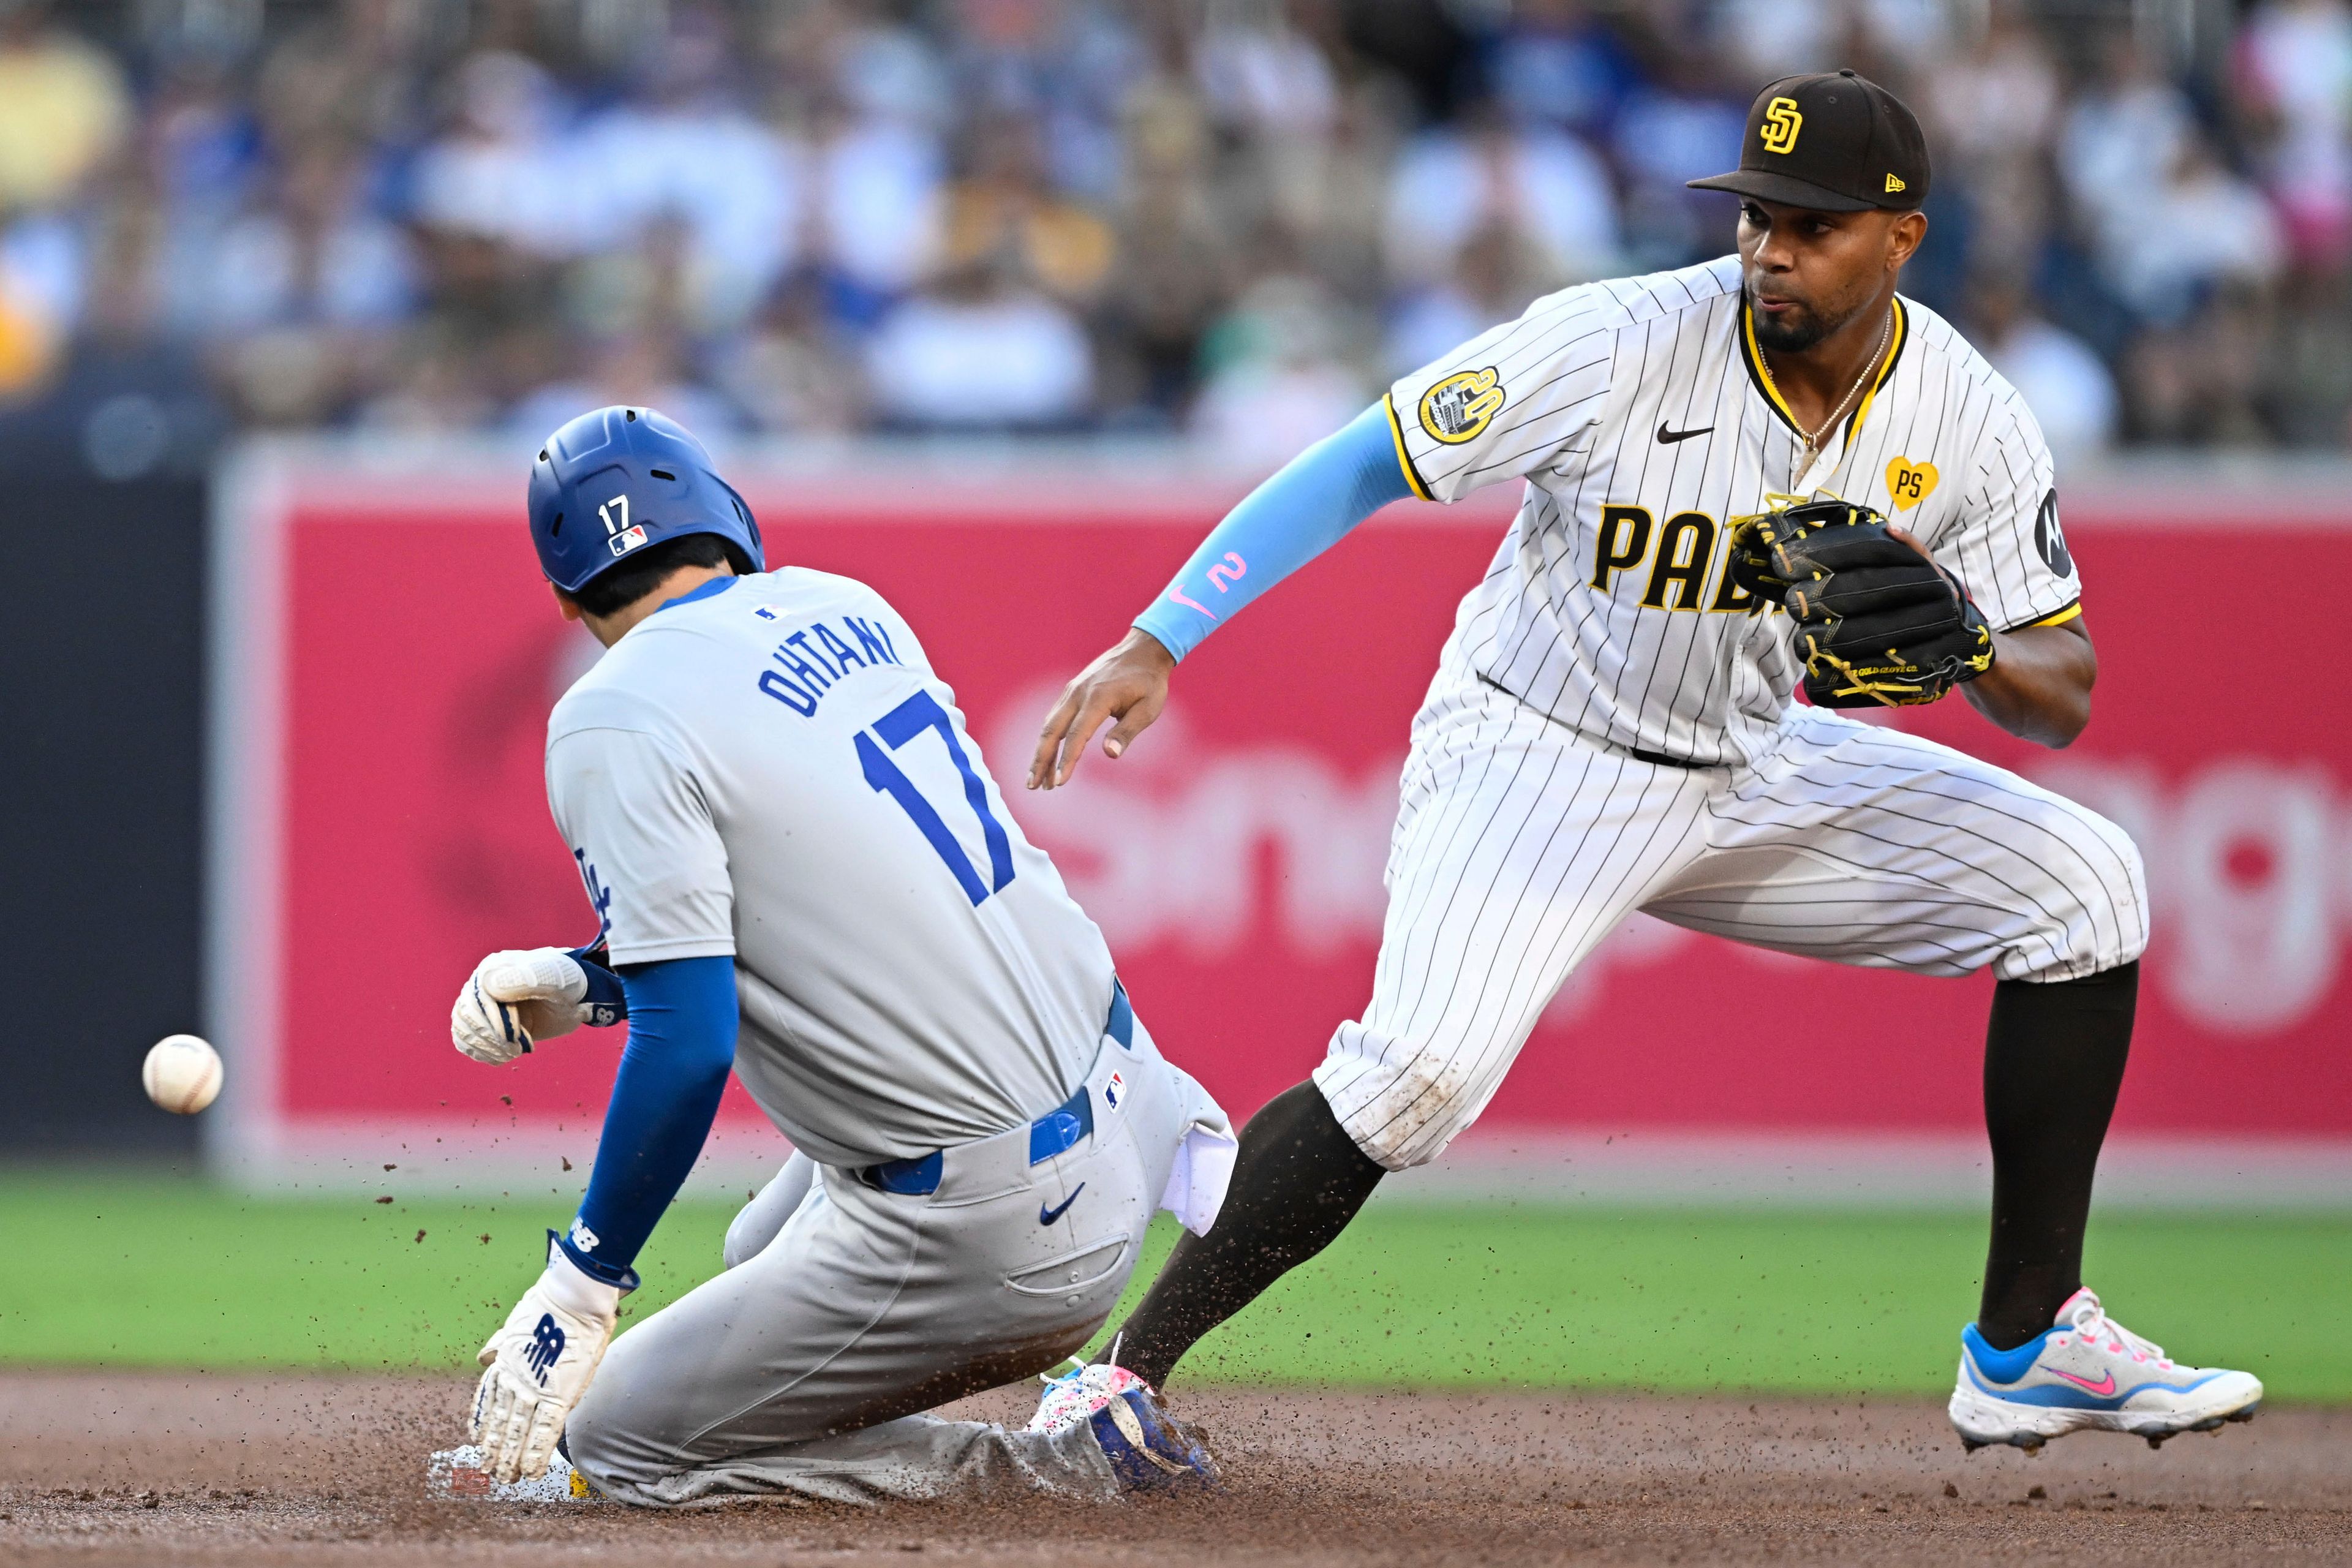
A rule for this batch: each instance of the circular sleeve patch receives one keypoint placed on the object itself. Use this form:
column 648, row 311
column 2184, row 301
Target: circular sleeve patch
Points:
column 2049, row 541
column 1460, row 407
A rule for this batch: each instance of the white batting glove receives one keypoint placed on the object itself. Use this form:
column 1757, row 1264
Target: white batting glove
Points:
column 540, row 1364
column 515, row 998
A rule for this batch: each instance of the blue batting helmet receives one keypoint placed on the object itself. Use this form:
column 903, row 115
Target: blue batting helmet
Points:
column 611, row 483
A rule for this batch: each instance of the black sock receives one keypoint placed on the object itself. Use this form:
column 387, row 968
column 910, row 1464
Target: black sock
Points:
column 2054, row 1060
column 1297, row 1181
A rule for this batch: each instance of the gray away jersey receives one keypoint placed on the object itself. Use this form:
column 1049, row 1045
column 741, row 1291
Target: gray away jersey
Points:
column 1638, row 413
column 772, row 771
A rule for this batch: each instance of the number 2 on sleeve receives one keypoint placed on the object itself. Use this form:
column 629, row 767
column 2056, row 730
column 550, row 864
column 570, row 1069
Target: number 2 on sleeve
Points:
column 903, row 723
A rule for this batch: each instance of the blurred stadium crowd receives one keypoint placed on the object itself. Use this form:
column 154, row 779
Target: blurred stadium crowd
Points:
column 1236, row 218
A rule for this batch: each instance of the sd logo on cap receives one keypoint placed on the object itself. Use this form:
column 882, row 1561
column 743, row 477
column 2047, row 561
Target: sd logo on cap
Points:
column 1833, row 142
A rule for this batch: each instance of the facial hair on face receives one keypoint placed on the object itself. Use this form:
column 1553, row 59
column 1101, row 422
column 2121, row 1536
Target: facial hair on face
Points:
column 1791, row 337
column 1816, row 319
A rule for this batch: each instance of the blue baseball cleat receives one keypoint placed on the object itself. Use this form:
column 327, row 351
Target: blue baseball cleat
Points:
column 2089, row 1374
column 1149, row 1450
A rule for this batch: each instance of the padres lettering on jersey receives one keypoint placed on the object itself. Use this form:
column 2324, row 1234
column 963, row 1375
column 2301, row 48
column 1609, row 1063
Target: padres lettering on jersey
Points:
column 1638, row 413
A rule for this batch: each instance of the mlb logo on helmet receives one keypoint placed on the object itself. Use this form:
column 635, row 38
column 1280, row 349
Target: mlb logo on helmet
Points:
column 1114, row 1090
column 645, row 479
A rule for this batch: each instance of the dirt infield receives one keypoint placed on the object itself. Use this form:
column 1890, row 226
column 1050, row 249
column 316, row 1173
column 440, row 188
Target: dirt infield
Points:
column 100, row 1468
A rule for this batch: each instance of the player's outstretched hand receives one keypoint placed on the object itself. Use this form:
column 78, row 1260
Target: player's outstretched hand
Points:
column 515, row 997
column 540, row 1363
column 1128, row 684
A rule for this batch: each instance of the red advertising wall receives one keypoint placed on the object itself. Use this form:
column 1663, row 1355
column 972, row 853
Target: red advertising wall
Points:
column 1233, row 859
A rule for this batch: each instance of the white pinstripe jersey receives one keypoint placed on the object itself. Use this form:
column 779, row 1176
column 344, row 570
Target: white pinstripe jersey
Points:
column 1637, row 412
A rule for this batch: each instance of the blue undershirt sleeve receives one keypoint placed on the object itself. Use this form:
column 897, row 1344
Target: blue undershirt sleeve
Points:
column 682, row 1024
column 1280, row 526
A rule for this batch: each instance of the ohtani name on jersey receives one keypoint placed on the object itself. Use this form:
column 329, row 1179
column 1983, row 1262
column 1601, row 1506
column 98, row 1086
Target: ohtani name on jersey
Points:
column 1681, row 556
column 816, row 658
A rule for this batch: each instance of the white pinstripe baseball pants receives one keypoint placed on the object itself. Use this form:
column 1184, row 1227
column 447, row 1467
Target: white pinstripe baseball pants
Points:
column 1520, row 844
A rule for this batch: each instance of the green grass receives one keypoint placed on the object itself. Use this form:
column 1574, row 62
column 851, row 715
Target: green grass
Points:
column 119, row 1270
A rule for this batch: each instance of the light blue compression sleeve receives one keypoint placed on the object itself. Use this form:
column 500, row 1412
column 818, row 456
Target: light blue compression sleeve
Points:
column 1283, row 524
column 682, row 1022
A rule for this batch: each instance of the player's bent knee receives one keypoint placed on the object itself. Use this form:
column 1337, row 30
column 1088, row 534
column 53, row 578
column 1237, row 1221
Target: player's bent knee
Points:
column 603, row 1444
column 1401, row 1112
column 2103, row 923
column 738, row 1248
column 759, row 1221
column 748, row 1234
column 2134, row 916
column 587, row 1439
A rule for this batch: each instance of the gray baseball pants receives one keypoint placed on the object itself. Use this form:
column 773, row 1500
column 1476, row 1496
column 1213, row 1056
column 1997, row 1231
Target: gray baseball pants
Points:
column 847, row 1311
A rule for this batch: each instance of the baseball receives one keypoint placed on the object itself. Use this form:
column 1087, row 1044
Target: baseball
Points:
column 183, row 1074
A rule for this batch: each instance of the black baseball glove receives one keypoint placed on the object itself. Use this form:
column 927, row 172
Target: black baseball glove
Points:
column 1877, row 622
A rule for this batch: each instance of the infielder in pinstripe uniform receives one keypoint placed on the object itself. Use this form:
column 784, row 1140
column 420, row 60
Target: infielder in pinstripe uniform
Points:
column 1612, row 729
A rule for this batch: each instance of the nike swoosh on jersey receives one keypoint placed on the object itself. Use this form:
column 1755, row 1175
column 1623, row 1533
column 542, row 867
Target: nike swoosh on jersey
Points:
column 1047, row 1217
column 1668, row 437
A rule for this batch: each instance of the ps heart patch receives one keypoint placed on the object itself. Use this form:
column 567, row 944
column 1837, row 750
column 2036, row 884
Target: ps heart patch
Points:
column 1910, row 483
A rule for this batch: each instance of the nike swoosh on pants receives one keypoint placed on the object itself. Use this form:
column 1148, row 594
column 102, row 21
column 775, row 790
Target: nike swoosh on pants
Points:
column 1047, row 1217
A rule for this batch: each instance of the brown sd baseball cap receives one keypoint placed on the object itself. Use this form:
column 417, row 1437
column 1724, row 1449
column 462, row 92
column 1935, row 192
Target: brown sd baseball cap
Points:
column 1833, row 142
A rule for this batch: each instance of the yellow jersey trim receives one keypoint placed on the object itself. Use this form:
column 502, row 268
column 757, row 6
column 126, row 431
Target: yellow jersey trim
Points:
column 1754, row 357
column 1885, row 369
column 2062, row 617
column 1404, row 458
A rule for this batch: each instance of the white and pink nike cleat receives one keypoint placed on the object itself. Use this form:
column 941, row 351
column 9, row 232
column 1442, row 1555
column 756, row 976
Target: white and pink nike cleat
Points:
column 2088, row 1372
column 1078, row 1395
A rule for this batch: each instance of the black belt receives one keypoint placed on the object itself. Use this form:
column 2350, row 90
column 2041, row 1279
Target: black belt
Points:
column 1663, row 761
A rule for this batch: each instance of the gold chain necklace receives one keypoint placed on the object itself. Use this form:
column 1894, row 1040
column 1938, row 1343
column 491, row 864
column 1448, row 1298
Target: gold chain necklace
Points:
column 1813, row 441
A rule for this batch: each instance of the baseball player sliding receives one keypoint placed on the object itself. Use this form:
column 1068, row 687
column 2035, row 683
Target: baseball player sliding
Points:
column 802, row 870
column 1769, row 469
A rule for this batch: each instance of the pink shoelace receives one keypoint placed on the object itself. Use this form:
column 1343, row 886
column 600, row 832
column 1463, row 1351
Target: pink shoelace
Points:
column 2088, row 1319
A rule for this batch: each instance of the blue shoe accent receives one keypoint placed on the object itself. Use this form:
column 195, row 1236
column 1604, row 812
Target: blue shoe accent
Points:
column 2003, row 1366
column 1167, row 1458
column 2056, row 1396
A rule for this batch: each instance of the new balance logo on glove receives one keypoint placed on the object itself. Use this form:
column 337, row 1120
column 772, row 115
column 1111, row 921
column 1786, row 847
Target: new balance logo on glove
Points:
column 546, row 1347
